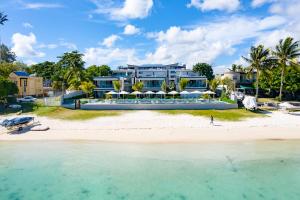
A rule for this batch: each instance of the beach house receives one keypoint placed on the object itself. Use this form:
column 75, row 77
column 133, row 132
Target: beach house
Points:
column 152, row 76
column 28, row 85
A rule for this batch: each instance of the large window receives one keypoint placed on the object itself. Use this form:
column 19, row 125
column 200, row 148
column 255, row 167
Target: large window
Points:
column 196, row 83
column 152, row 83
column 104, row 84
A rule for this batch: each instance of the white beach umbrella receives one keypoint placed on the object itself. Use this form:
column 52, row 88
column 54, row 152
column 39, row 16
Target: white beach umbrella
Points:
column 161, row 93
column 173, row 93
column 136, row 93
column 209, row 92
column 196, row 92
column 124, row 92
column 184, row 92
column 111, row 92
column 149, row 93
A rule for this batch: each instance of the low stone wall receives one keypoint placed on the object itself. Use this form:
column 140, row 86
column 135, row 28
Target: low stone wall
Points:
column 204, row 106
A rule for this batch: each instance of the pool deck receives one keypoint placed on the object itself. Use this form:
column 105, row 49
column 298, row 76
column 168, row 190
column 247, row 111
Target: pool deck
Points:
column 141, row 106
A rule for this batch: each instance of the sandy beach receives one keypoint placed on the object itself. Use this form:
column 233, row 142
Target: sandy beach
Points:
column 154, row 127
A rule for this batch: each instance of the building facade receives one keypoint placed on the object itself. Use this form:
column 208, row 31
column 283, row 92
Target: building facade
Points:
column 152, row 76
column 241, row 79
column 28, row 85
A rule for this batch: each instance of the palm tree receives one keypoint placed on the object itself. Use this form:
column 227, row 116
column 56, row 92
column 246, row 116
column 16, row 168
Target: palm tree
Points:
column 3, row 18
column 138, row 86
column 286, row 54
column 87, row 87
column 117, row 86
column 164, row 86
column 183, row 83
column 259, row 60
column 213, row 84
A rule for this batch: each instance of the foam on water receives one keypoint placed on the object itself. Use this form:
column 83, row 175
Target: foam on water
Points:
column 93, row 170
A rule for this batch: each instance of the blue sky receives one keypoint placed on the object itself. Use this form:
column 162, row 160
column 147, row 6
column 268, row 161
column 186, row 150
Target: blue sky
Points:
column 120, row 32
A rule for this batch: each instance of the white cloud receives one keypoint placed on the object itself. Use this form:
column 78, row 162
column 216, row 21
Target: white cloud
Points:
column 110, row 41
column 23, row 45
column 41, row 5
column 27, row 25
column 258, row 3
column 207, row 5
column 131, row 30
column 48, row 46
column 115, row 57
column 68, row 45
column 131, row 9
column 204, row 43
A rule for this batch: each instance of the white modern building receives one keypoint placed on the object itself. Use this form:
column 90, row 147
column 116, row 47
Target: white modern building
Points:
column 152, row 76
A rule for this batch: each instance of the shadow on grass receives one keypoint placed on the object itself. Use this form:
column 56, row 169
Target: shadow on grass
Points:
column 26, row 108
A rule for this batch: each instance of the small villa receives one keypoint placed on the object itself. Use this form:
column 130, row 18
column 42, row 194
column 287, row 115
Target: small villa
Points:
column 28, row 85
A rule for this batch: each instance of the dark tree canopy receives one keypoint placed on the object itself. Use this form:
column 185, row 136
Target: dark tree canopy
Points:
column 94, row 71
column 7, row 88
column 205, row 70
column 45, row 69
column 6, row 55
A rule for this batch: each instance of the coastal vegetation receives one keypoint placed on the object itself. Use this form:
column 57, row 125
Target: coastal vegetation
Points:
column 223, row 115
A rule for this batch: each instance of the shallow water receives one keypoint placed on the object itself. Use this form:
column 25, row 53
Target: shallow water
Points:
column 94, row 170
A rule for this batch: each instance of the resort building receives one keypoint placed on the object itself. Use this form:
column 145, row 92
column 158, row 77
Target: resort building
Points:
column 152, row 76
column 241, row 79
column 28, row 85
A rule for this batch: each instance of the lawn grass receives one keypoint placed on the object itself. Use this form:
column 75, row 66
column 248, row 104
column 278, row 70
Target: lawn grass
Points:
column 68, row 114
column 224, row 115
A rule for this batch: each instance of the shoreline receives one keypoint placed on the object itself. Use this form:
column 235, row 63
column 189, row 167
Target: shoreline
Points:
column 153, row 127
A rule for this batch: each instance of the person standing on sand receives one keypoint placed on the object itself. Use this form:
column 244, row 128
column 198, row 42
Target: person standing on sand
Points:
column 211, row 120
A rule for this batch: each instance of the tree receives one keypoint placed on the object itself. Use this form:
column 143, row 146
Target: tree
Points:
column 7, row 88
column 138, row 86
column 287, row 53
column 3, row 18
column 7, row 68
column 45, row 69
column 74, row 65
column 258, row 61
column 204, row 69
column 164, row 86
column 229, row 83
column 117, row 86
column 172, row 85
column 6, row 55
column 213, row 84
column 183, row 83
column 94, row 71
column 87, row 87
column 236, row 68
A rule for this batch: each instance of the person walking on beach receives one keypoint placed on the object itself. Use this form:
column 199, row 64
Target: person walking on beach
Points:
column 211, row 120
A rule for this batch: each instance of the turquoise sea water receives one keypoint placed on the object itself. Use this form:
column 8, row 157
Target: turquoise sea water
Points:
column 94, row 170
